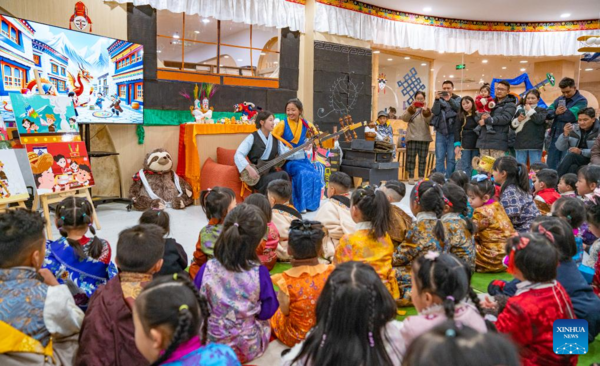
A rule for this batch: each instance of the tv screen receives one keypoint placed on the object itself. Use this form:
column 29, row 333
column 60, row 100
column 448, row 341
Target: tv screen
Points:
column 103, row 76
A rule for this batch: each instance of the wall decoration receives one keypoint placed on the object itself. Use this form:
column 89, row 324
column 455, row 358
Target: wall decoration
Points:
column 80, row 18
column 411, row 84
column 524, row 79
column 201, row 109
column 343, row 95
column 12, row 184
column 43, row 114
column 382, row 81
column 60, row 167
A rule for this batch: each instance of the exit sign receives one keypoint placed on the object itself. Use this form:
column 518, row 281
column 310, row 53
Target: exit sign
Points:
column 461, row 67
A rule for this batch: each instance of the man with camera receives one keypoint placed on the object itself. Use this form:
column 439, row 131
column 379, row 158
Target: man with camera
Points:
column 445, row 109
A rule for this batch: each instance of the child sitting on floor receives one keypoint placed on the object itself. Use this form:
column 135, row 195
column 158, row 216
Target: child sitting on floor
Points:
column 279, row 193
column 370, row 243
column 267, row 249
column 440, row 290
column 567, row 185
column 401, row 221
column 239, row 290
column 588, row 179
column 492, row 224
column 216, row 203
column 334, row 213
column 457, row 225
column 39, row 320
column 538, row 302
column 355, row 322
column 590, row 262
column 427, row 204
column 175, row 259
column 107, row 334
column 168, row 316
column 545, row 190
column 300, row 286
column 572, row 210
column 80, row 262
column 462, row 180
column 439, row 178
column 514, row 194
column 533, row 169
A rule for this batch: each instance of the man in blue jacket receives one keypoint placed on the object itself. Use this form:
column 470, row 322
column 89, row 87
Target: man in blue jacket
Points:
column 564, row 110
column 445, row 109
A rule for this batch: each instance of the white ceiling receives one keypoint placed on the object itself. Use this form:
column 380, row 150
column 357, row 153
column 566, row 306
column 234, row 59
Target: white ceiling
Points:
column 504, row 10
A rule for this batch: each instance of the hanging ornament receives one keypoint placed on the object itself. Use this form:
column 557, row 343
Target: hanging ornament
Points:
column 80, row 18
column 382, row 81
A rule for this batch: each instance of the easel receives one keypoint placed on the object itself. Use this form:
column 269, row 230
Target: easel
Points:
column 5, row 206
column 48, row 199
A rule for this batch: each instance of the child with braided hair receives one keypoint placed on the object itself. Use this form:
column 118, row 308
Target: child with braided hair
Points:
column 427, row 204
column 300, row 286
column 457, row 225
column 80, row 262
column 371, row 243
column 171, row 321
column 239, row 289
column 355, row 322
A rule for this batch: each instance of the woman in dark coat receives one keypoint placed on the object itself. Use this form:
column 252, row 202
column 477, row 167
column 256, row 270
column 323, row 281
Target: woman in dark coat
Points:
column 529, row 125
column 465, row 137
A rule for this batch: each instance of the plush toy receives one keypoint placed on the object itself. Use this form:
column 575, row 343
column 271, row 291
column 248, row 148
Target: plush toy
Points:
column 156, row 185
column 249, row 110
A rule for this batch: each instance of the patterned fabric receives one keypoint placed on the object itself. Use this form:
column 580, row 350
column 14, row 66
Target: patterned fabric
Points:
column 493, row 229
column 528, row 319
column 414, row 149
column 22, row 299
column 82, row 276
column 519, row 207
column 303, row 285
column 205, row 245
column 459, row 240
column 362, row 247
column 267, row 249
column 233, row 299
column 419, row 240
column 192, row 353
column 596, row 279
column 401, row 223
column 132, row 285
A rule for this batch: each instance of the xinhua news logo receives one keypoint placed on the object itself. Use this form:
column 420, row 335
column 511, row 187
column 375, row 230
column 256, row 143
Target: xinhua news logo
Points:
column 570, row 337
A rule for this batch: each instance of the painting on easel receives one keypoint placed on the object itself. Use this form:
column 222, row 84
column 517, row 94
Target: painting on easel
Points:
column 60, row 167
column 12, row 185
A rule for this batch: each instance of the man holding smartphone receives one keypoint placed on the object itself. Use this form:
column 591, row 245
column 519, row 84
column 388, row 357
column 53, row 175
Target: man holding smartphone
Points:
column 564, row 110
column 445, row 109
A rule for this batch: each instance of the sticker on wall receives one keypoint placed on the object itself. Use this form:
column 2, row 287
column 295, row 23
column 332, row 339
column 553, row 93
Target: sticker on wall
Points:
column 80, row 18
column 410, row 84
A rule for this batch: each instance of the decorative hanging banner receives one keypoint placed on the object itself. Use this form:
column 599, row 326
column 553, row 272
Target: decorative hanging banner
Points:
column 80, row 18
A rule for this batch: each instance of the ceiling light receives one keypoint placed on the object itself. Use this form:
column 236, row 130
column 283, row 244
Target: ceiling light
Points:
column 523, row 61
column 159, row 51
column 275, row 62
column 589, row 69
column 500, row 75
column 220, row 65
column 262, row 53
column 484, row 61
column 389, row 59
column 427, row 9
column 432, row 69
column 440, row 51
column 239, row 59
column 523, row 70
column 197, row 32
column 503, row 67
column 565, row 15
column 176, row 35
column 482, row 74
column 444, row 76
column 226, row 56
column 407, row 58
column 423, row 64
column 205, row 21
column 376, row 51
column 451, row 76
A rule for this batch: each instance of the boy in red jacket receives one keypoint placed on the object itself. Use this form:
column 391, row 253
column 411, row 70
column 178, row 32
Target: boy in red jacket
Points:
column 545, row 189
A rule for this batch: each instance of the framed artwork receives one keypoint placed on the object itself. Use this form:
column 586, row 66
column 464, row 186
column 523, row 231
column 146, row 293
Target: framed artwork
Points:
column 12, row 184
column 60, row 167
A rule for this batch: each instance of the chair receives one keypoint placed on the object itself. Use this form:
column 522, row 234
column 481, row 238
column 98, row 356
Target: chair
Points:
column 223, row 173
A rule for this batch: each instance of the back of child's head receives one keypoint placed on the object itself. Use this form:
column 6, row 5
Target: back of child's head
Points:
column 570, row 209
column 570, row 180
column 592, row 210
column 157, row 217
column 533, row 255
column 516, row 173
column 280, row 189
column 444, row 276
column 439, row 178
column 428, row 196
column 21, row 234
column 260, row 201
column 547, row 176
column 215, row 202
column 395, row 189
column 243, row 229
column 564, row 240
column 460, row 178
column 172, row 306
column 75, row 213
column 140, row 247
column 590, row 174
column 306, row 239
column 536, row 167
column 458, row 202
column 352, row 311
column 374, row 207
column 481, row 186
column 451, row 344
column 341, row 181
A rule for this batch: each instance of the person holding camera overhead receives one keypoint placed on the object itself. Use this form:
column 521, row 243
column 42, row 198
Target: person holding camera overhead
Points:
column 445, row 109
column 418, row 136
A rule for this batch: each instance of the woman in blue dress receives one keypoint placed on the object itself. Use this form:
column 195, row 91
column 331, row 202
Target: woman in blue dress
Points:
column 306, row 181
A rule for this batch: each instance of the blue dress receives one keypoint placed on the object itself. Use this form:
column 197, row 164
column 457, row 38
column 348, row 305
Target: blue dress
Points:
column 306, row 181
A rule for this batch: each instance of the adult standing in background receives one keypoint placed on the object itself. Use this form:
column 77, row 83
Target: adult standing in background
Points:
column 465, row 137
column 529, row 125
column 392, row 113
column 418, row 135
column 445, row 109
column 578, row 141
column 564, row 110
column 496, row 144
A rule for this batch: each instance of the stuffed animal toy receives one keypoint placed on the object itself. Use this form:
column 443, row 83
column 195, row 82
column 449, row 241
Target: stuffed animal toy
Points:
column 248, row 109
column 156, row 185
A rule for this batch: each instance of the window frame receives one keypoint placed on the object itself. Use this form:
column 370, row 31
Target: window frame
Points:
column 9, row 32
column 12, row 82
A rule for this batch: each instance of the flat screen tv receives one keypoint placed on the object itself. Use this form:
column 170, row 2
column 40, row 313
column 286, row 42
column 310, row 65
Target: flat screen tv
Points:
column 103, row 76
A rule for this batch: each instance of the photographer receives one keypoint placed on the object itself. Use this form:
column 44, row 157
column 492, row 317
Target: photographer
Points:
column 445, row 109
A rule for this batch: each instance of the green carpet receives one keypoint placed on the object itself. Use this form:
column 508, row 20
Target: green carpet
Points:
column 480, row 282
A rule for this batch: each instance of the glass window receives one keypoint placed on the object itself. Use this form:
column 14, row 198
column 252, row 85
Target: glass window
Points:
column 122, row 91
column 62, row 71
column 235, row 34
column 139, row 92
column 36, row 59
column 200, row 57
column 17, row 79
column 7, row 75
column 232, row 61
column 5, row 28
column 14, row 35
column 169, row 53
column 200, row 29
column 55, row 68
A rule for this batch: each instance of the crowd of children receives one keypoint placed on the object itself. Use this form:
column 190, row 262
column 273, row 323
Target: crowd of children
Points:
column 66, row 301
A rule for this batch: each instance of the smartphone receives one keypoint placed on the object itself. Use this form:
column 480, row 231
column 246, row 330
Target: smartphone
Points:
column 444, row 94
column 419, row 104
column 562, row 103
column 522, row 112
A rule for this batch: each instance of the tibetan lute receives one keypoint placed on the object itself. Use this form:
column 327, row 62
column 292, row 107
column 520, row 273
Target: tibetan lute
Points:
column 265, row 166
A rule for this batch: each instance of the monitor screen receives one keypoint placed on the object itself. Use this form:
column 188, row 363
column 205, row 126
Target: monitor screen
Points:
column 103, row 76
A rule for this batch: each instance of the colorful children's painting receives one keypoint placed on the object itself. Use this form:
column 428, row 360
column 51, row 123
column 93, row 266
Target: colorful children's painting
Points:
column 60, row 167
column 103, row 77
column 43, row 114
column 12, row 185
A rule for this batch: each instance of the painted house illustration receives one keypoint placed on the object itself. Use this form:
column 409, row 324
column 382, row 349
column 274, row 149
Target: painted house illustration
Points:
column 47, row 58
column 128, row 75
column 16, row 53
